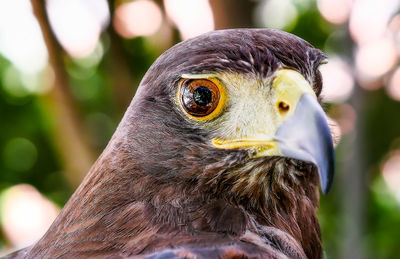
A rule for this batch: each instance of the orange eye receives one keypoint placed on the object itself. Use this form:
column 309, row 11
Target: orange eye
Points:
column 199, row 97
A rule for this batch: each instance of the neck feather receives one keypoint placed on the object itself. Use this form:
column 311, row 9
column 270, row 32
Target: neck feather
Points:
column 278, row 192
column 273, row 192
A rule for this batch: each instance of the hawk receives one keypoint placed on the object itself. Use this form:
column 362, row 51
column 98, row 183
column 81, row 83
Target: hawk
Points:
column 220, row 155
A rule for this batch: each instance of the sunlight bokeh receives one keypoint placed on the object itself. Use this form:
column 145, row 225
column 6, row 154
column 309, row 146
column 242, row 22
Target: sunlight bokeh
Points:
column 331, row 11
column 393, row 87
column 337, row 70
column 25, row 214
column 20, row 37
column 78, row 23
column 391, row 173
column 278, row 14
column 137, row 18
column 192, row 17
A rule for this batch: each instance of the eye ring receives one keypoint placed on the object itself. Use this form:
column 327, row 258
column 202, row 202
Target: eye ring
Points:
column 201, row 99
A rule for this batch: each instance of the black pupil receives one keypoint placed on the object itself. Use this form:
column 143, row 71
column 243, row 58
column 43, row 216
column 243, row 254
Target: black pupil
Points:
column 202, row 96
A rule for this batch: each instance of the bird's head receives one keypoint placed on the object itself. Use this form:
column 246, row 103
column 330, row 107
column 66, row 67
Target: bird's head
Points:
column 232, row 112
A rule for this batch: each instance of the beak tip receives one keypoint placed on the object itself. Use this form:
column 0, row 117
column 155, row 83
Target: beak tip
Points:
column 327, row 176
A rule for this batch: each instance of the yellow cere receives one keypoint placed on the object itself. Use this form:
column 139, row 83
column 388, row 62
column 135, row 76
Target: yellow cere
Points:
column 289, row 86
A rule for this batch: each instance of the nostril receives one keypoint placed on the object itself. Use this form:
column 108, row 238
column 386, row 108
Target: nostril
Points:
column 283, row 107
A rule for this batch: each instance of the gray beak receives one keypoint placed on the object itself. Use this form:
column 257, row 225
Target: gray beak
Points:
column 306, row 136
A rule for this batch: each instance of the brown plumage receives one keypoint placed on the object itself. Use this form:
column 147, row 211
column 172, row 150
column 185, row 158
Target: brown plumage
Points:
column 160, row 190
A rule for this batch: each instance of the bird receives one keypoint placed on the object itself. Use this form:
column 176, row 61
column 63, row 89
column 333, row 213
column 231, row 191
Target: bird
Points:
column 221, row 154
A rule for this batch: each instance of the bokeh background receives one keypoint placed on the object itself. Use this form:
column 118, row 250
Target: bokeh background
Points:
column 69, row 68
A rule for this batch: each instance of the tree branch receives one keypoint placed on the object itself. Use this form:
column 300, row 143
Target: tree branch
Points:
column 68, row 133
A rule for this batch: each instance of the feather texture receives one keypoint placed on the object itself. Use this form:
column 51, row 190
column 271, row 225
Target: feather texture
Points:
column 159, row 190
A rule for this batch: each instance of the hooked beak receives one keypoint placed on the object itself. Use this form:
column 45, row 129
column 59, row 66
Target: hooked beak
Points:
column 302, row 133
column 306, row 136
